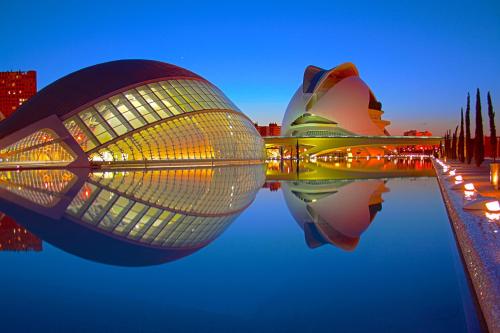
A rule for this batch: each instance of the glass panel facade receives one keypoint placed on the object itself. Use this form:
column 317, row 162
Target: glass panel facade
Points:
column 135, row 125
column 97, row 126
column 43, row 147
column 167, row 207
column 81, row 133
column 211, row 135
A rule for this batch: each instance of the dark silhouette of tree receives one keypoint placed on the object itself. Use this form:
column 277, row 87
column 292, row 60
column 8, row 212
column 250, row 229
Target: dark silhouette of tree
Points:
column 478, row 137
column 461, row 147
column 454, row 144
column 450, row 144
column 447, row 143
column 469, row 151
column 493, row 130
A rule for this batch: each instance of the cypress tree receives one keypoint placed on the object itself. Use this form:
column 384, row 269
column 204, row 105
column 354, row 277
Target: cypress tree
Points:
column 479, row 137
column 450, row 138
column 461, row 148
column 449, row 144
column 447, row 147
column 468, row 140
column 454, row 144
column 493, row 130
column 446, row 144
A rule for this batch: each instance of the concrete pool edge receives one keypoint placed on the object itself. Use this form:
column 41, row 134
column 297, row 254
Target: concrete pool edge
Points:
column 477, row 249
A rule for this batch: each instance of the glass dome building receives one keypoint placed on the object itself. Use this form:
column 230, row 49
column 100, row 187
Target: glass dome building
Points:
column 129, row 112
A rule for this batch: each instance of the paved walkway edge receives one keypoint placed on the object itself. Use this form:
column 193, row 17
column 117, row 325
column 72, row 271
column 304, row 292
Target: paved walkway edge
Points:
column 480, row 261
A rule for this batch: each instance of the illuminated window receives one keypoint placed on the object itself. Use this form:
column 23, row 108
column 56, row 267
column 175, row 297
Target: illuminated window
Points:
column 128, row 111
column 97, row 126
column 80, row 133
column 114, row 119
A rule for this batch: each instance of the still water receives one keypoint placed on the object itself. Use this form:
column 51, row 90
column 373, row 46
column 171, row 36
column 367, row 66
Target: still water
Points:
column 332, row 246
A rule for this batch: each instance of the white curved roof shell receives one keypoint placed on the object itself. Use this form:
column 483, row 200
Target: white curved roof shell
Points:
column 338, row 95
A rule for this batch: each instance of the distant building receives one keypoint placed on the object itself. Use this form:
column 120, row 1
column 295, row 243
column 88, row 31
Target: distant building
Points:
column 15, row 89
column 417, row 133
column 272, row 186
column 418, row 149
column 487, row 147
column 16, row 238
column 272, row 129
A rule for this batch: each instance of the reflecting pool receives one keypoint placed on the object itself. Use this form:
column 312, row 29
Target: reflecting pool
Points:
column 333, row 245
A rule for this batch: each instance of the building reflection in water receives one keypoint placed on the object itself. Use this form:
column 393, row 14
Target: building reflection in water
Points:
column 13, row 237
column 133, row 217
column 356, row 168
column 336, row 211
column 334, row 202
column 144, row 217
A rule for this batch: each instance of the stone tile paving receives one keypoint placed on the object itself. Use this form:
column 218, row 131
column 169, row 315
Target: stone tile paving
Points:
column 478, row 236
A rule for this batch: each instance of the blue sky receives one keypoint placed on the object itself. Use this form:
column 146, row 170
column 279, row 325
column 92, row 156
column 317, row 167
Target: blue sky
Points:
column 420, row 58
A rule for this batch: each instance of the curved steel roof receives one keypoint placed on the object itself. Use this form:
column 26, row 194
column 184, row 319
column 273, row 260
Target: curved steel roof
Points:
column 87, row 85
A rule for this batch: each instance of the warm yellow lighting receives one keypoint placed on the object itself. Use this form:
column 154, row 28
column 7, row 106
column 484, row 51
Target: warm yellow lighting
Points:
column 452, row 173
column 493, row 206
column 459, row 178
column 494, row 178
column 469, row 187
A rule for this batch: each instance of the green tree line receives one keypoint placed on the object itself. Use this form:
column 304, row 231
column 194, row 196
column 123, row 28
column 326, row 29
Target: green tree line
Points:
column 461, row 145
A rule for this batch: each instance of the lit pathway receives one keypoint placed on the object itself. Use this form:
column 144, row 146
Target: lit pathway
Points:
column 478, row 236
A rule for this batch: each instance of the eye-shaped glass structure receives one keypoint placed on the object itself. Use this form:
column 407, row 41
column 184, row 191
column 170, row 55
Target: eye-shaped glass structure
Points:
column 129, row 112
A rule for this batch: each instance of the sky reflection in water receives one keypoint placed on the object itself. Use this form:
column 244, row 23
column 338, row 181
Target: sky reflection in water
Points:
column 337, row 246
